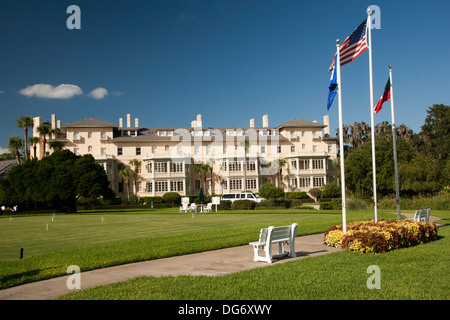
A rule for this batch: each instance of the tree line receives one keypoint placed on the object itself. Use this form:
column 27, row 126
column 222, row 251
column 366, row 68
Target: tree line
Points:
column 423, row 163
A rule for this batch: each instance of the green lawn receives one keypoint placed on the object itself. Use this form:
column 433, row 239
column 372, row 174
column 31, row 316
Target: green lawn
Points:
column 47, row 234
column 416, row 273
column 96, row 240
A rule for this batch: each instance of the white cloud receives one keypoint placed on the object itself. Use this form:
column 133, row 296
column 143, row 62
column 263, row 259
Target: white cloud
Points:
column 63, row 91
column 98, row 93
column 4, row 150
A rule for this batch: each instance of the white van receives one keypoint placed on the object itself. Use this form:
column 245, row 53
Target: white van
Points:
column 242, row 196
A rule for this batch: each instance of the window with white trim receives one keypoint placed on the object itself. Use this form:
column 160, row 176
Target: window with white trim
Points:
column 317, row 164
column 161, row 186
column 318, row 181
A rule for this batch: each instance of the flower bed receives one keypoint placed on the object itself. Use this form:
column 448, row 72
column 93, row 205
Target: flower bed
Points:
column 385, row 235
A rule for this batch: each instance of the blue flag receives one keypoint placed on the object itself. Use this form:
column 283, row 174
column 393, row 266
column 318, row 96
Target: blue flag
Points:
column 333, row 88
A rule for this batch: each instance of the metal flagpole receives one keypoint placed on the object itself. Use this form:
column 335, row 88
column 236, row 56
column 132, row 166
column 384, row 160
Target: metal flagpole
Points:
column 374, row 173
column 341, row 136
column 394, row 140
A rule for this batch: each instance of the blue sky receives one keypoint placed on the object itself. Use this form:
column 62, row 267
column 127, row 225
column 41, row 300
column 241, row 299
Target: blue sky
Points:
column 166, row 61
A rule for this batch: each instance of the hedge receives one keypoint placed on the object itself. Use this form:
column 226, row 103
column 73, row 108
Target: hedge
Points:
column 243, row 205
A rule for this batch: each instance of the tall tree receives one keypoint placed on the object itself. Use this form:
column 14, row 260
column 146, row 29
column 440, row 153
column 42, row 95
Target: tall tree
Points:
column 246, row 145
column 25, row 122
column 436, row 131
column 33, row 141
column 136, row 164
column 56, row 145
column 126, row 173
column 202, row 169
column 14, row 144
column 44, row 130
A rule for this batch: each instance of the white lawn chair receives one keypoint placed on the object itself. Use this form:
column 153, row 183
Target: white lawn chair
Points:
column 184, row 207
column 193, row 208
column 207, row 208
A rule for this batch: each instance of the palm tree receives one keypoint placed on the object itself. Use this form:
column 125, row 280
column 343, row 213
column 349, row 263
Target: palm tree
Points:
column 33, row 141
column 202, row 170
column 56, row 145
column 137, row 164
column 14, row 144
column 44, row 130
column 279, row 170
column 246, row 144
column 126, row 173
column 25, row 122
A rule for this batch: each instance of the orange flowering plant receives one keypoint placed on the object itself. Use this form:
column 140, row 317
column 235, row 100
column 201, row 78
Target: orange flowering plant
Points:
column 385, row 235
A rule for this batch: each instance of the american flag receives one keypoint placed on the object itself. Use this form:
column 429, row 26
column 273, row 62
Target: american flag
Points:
column 353, row 46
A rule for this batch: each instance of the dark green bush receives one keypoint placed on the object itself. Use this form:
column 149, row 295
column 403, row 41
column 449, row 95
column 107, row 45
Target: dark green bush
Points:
column 269, row 191
column 274, row 204
column 297, row 195
column 172, row 198
column 149, row 200
column 326, row 206
column 224, row 205
column 243, row 205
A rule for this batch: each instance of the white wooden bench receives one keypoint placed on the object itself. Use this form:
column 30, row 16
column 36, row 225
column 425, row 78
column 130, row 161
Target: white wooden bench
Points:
column 422, row 215
column 284, row 235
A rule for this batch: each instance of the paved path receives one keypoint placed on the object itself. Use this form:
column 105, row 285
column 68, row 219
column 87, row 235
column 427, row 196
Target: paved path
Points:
column 211, row 263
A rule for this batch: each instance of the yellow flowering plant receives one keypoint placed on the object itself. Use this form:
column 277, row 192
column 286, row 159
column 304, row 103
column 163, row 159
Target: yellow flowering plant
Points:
column 385, row 235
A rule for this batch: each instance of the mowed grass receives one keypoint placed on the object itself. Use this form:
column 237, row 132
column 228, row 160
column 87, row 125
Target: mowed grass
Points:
column 102, row 239
column 47, row 234
column 416, row 273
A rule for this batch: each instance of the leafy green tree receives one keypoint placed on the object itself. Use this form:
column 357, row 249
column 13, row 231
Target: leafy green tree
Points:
column 436, row 131
column 56, row 181
column 331, row 190
column 423, row 175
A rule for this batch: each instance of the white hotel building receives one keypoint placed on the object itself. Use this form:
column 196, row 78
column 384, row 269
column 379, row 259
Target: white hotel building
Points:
column 168, row 155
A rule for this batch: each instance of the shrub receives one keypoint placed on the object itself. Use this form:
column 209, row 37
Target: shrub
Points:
column 149, row 200
column 356, row 204
column 224, row 205
column 269, row 191
column 172, row 198
column 385, row 235
column 297, row 195
column 326, row 205
column 315, row 192
column 336, row 204
column 274, row 204
column 331, row 190
column 243, row 205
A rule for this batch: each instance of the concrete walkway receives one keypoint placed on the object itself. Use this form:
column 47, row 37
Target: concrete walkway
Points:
column 211, row 263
